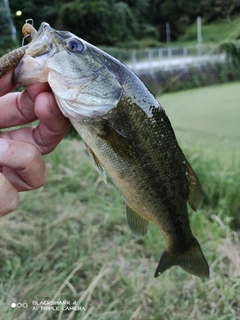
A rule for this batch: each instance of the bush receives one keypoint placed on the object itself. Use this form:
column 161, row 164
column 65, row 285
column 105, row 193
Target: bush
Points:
column 194, row 77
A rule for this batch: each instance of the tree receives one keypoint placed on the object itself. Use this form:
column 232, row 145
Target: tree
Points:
column 37, row 10
column 8, row 30
column 232, row 49
column 179, row 13
column 99, row 21
column 88, row 19
column 227, row 8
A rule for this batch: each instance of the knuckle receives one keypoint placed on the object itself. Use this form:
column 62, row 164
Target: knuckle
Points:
column 31, row 154
column 40, row 177
column 33, row 169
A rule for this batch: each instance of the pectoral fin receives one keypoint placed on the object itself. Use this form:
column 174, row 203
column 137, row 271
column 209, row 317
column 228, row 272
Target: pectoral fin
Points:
column 118, row 143
column 196, row 193
column 137, row 223
column 97, row 164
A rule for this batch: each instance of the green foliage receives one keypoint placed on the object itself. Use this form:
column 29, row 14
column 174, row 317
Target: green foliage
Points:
column 98, row 21
column 223, row 200
column 193, row 77
column 179, row 14
column 37, row 10
column 213, row 33
column 142, row 44
column 6, row 41
column 232, row 49
column 72, row 134
column 121, row 54
column 110, row 22
column 124, row 51
column 79, row 17
column 227, row 9
column 219, row 8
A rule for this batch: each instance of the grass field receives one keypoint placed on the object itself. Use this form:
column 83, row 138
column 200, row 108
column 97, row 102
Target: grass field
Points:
column 69, row 239
column 207, row 118
column 215, row 32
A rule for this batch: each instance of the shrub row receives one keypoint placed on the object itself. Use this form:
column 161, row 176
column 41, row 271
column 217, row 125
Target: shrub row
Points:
column 181, row 79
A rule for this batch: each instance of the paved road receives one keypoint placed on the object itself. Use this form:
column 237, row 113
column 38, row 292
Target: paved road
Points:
column 174, row 63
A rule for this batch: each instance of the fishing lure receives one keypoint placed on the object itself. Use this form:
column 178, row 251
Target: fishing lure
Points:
column 11, row 59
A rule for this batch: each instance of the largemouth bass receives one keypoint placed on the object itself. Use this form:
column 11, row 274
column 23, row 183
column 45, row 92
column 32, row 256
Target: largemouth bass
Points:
column 128, row 136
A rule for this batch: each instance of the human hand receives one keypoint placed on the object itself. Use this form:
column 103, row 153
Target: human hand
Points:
column 22, row 166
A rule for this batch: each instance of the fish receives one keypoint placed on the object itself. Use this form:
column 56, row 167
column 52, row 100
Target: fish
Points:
column 128, row 136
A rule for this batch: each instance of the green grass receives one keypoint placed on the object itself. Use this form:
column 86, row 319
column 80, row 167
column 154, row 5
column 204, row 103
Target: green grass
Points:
column 213, row 33
column 207, row 118
column 69, row 240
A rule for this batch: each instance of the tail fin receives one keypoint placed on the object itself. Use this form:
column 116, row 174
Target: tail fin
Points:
column 192, row 261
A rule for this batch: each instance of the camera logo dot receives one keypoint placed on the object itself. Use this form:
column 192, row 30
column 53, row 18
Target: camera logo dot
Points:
column 19, row 305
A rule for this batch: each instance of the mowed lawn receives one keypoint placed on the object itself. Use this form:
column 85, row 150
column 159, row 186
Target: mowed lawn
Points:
column 206, row 118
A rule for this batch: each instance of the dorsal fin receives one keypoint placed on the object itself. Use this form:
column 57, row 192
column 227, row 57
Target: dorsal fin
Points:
column 137, row 223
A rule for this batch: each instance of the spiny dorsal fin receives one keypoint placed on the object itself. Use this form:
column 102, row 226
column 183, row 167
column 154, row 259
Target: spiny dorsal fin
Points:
column 97, row 164
column 196, row 193
column 137, row 223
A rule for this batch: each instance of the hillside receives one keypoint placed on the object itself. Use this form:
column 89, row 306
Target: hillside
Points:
column 212, row 33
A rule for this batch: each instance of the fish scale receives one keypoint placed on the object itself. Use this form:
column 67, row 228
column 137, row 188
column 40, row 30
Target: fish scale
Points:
column 128, row 136
column 144, row 169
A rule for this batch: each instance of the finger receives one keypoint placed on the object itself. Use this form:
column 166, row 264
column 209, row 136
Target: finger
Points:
column 9, row 197
column 18, row 108
column 6, row 84
column 52, row 127
column 22, row 164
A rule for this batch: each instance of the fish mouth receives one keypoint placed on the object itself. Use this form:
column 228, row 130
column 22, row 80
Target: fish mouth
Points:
column 32, row 68
column 44, row 49
column 82, row 87
column 30, row 71
column 42, row 41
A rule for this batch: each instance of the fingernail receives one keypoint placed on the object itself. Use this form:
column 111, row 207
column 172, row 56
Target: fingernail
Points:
column 3, row 145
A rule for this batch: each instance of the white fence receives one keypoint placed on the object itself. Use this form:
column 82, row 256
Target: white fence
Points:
column 172, row 58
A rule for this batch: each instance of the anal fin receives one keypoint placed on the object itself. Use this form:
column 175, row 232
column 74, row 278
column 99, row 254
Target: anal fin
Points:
column 137, row 223
column 196, row 193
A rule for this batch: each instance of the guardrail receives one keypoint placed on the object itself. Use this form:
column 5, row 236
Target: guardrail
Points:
column 172, row 58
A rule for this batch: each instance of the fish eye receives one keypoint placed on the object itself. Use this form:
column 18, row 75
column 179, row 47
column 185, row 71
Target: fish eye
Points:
column 75, row 45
